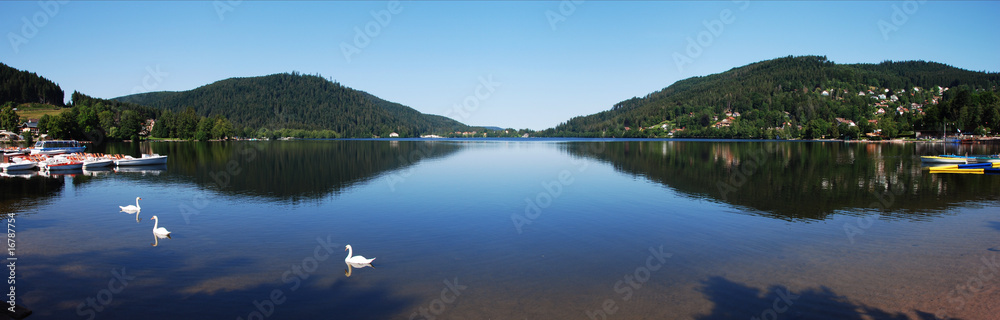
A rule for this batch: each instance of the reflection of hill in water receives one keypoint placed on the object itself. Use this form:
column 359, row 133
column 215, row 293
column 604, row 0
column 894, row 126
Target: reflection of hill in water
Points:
column 21, row 195
column 796, row 180
column 293, row 170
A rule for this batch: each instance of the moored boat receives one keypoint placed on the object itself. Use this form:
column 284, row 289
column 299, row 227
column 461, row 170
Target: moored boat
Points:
column 147, row 159
column 97, row 163
column 13, row 151
column 17, row 166
column 940, row 159
column 54, row 147
column 975, row 158
column 61, row 163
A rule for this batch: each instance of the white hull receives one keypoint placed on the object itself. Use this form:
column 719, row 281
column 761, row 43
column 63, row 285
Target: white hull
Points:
column 64, row 167
column 98, row 163
column 17, row 166
column 943, row 160
column 144, row 161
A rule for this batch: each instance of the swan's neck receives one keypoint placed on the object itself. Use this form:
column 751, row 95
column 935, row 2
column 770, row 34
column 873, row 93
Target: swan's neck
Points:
column 156, row 223
column 350, row 252
column 137, row 203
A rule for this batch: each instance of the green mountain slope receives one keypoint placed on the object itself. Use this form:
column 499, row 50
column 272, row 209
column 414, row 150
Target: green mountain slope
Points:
column 296, row 101
column 27, row 87
column 790, row 92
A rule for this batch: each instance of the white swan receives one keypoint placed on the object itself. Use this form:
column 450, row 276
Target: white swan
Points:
column 130, row 208
column 160, row 230
column 355, row 259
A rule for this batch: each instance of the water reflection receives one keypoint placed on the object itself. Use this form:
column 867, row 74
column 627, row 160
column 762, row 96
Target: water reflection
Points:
column 289, row 170
column 153, row 169
column 157, row 237
column 352, row 265
column 24, row 191
column 798, row 180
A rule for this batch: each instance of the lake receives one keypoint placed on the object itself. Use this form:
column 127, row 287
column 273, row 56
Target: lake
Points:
column 512, row 229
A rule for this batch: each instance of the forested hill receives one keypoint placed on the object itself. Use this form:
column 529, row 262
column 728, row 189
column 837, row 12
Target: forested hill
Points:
column 27, row 87
column 294, row 101
column 748, row 101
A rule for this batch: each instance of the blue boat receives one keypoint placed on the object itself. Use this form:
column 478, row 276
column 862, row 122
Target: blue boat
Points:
column 975, row 158
column 57, row 147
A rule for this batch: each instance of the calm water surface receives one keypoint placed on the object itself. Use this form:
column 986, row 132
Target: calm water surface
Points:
column 513, row 229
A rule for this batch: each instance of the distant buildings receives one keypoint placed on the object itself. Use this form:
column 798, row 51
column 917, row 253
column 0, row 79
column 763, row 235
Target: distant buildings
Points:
column 30, row 127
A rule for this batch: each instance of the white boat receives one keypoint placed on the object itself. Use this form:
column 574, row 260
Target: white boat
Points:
column 97, row 163
column 17, row 166
column 938, row 159
column 14, row 151
column 147, row 159
column 57, row 147
column 61, row 163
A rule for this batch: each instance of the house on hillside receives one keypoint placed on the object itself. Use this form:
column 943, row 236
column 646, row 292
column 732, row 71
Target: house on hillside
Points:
column 393, row 135
column 147, row 127
column 30, row 127
column 847, row 122
column 728, row 121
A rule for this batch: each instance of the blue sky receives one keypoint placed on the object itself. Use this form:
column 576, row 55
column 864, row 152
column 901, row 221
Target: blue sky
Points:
column 547, row 61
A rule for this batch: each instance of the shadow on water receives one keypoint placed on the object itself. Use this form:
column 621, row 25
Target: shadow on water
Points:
column 797, row 180
column 995, row 225
column 737, row 301
column 149, row 294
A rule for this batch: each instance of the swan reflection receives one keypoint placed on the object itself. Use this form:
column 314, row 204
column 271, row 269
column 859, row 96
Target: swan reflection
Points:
column 352, row 265
column 157, row 237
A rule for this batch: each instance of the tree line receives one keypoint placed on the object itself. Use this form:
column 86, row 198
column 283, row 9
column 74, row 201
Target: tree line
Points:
column 295, row 103
column 25, row 87
column 775, row 97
